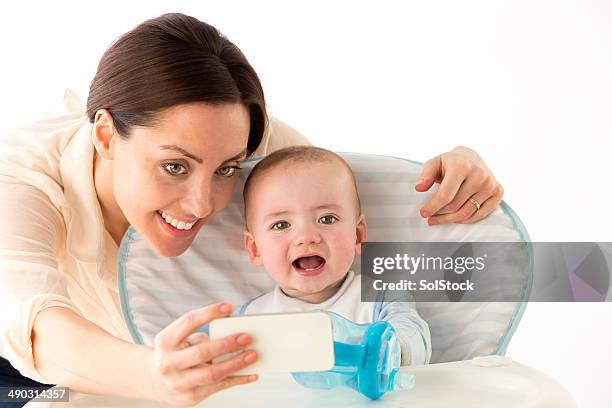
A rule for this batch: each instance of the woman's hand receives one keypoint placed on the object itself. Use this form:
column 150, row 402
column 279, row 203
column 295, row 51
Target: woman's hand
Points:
column 181, row 369
column 468, row 191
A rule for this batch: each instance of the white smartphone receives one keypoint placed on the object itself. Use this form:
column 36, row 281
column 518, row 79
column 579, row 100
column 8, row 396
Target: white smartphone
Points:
column 284, row 342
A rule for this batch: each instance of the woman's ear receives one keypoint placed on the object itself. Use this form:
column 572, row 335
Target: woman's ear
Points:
column 103, row 134
column 251, row 247
column 361, row 233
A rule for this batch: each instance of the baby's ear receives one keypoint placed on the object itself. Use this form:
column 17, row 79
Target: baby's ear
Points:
column 361, row 233
column 251, row 247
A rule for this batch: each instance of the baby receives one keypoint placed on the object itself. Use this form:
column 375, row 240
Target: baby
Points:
column 304, row 226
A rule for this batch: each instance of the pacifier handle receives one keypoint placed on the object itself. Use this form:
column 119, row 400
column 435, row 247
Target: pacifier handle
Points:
column 367, row 355
column 347, row 354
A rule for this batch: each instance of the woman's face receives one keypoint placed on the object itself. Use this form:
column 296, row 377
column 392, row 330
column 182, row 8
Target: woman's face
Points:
column 169, row 179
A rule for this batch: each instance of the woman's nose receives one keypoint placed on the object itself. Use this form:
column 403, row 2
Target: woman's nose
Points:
column 200, row 202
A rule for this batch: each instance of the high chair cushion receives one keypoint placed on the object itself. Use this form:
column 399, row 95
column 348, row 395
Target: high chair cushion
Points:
column 155, row 290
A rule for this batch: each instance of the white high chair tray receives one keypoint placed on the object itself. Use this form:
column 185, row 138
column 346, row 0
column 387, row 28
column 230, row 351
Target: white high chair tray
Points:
column 492, row 381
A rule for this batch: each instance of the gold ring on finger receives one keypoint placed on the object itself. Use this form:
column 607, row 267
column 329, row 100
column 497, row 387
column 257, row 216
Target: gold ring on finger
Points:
column 476, row 203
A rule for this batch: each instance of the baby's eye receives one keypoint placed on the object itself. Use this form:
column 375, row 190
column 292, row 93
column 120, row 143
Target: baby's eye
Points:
column 328, row 219
column 174, row 169
column 280, row 225
column 228, row 171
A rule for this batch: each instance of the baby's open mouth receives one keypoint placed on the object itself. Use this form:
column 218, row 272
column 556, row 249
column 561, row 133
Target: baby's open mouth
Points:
column 309, row 263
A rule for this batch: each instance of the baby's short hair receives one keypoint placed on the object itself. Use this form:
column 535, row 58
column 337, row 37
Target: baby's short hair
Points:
column 297, row 154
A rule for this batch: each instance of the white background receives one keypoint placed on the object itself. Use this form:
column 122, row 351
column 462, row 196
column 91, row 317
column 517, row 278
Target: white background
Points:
column 525, row 83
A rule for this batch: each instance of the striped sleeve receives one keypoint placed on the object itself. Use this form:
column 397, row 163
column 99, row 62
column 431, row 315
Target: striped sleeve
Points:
column 413, row 332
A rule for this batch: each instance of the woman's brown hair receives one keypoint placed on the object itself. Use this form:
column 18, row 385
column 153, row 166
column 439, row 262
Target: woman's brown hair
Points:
column 170, row 60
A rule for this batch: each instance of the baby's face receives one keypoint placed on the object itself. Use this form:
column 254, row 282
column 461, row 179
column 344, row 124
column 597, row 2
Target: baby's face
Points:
column 304, row 228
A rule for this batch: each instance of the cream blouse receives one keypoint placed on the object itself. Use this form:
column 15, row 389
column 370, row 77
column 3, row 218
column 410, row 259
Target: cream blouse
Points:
column 54, row 249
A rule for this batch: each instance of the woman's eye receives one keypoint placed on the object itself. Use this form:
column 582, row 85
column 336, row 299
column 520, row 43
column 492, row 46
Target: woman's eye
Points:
column 280, row 225
column 228, row 171
column 328, row 219
column 174, row 169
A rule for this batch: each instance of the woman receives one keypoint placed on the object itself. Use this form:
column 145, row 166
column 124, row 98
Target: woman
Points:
column 173, row 109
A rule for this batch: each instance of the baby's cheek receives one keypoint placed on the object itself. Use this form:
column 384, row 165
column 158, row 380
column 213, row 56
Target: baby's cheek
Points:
column 274, row 258
column 344, row 246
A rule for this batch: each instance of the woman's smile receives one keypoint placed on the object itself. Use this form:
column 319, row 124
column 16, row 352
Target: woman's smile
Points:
column 174, row 230
column 176, row 223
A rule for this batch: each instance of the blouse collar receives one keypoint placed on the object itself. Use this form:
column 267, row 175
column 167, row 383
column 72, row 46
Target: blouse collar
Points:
column 87, row 239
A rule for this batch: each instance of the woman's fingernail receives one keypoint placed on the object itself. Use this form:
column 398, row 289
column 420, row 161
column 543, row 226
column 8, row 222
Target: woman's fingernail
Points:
column 425, row 214
column 433, row 221
column 225, row 308
column 250, row 357
column 243, row 339
column 252, row 378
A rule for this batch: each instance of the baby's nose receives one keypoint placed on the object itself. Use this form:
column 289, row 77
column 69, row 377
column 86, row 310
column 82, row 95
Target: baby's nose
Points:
column 308, row 236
